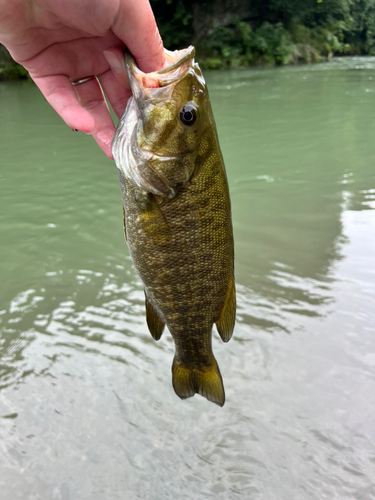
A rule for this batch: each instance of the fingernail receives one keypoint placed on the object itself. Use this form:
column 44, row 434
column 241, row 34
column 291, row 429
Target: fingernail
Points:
column 116, row 62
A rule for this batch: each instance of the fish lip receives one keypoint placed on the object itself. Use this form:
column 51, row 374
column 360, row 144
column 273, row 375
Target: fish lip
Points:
column 186, row 55
column 165, row 76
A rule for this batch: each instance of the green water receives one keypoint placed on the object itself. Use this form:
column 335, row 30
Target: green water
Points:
column 87, row 410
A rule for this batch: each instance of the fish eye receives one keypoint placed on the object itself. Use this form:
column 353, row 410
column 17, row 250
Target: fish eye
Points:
column 188, row 114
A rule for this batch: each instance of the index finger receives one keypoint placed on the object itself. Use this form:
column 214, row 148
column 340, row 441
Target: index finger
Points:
column 135, row 25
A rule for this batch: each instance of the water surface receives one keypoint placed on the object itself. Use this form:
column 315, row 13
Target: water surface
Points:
column 87, row 410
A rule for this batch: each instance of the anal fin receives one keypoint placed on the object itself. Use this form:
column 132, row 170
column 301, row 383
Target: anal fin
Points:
column 154, row 323
column 227, row 318
column 205, row 381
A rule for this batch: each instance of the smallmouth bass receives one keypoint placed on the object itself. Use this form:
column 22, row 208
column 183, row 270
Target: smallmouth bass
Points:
column 177, row 216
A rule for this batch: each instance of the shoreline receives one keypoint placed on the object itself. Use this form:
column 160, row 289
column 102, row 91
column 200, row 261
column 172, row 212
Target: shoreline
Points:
column 298, row 55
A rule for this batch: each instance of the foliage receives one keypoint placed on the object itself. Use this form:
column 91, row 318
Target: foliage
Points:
column 238, row 45
column 14, row 71
column 234, row 33
column 273, row 42
column 174, row 19
column 311, row 13
column 362, row 35
column 10, row 70
column 326, row 40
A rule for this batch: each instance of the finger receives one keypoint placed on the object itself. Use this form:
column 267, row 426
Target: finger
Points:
column 61, row 96
column 135, row 25
column 117, row 95
column 76, row 58
column 91, row 98
column 116, row 60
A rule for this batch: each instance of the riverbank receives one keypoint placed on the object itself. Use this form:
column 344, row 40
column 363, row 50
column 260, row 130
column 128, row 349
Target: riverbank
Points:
column 238, row 33
column 237, row 45
column 217, row 56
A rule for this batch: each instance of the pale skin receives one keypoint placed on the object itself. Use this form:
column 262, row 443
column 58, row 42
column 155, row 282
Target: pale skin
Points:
column 60, row 41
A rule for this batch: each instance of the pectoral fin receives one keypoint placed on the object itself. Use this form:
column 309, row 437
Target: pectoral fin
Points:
column 205, row 381
column 152, row 219
column 225, row 323
column 154, row 323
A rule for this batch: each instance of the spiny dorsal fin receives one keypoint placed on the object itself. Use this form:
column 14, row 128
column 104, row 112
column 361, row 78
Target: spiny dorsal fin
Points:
column 225, row 323
column 154, row 323
column 205, row 381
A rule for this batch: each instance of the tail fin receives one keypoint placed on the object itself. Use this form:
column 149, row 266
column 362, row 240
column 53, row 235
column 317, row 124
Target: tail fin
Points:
column 205, row 381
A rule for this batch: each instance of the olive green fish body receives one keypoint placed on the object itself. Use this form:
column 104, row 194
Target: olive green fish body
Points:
column 177, row 221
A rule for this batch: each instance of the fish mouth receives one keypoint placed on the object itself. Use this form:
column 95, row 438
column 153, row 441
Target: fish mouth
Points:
column 149, row 85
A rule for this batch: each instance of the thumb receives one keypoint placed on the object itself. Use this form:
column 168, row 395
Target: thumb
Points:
column 135, row 25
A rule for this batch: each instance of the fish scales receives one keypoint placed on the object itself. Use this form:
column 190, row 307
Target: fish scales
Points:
column 181, row 244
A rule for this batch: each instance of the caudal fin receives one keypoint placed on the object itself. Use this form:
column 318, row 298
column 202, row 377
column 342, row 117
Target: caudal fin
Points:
column 205, row 381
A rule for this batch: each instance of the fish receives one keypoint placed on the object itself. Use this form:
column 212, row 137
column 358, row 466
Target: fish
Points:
column 177, row 216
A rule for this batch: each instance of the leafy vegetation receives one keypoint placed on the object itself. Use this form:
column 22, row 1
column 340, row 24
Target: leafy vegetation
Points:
column 10, row 70
column 237, row 33
column 232, row 33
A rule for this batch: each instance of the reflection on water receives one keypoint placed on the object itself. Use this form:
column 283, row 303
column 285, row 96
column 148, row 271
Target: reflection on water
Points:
column 86, row 404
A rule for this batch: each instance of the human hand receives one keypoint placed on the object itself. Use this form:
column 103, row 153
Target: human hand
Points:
column 63, row 41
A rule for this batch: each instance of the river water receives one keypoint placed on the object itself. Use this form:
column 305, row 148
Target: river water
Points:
column 87, row 410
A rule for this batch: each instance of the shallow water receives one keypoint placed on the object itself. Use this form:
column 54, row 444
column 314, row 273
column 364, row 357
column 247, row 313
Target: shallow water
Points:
column 87, row 410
